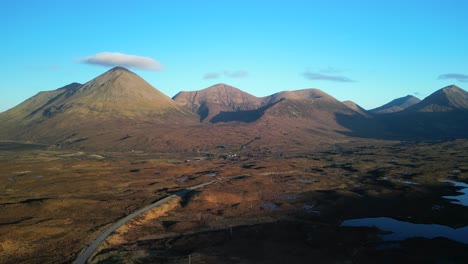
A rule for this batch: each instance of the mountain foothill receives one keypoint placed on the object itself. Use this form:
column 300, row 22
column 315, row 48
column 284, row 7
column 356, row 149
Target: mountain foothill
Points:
column 120, row 111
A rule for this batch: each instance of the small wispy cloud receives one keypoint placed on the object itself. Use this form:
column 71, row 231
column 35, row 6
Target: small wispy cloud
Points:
column 111, row 59
column 228, row 74
column 326, row 77
column 454, row 76
column 211, row 75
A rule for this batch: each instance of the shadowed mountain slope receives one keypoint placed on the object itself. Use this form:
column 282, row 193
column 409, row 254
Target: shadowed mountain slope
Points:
column 441, row 115
column 286, row 120
column 223, row 103
column 212, row 103
column 396, row 105
column 357, row 108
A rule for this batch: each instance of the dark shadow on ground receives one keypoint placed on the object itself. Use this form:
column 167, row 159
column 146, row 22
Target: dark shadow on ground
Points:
column 246, row 116
column 407, row 125
column 16, row 146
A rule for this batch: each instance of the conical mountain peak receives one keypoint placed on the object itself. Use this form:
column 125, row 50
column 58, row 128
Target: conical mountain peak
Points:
column 222, row 90
column 451, row 87
column 119, row 68
column 115, row 73
column 446, row 99
column 115, row 94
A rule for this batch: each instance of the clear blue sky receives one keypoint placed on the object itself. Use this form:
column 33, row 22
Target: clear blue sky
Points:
column 367, row 51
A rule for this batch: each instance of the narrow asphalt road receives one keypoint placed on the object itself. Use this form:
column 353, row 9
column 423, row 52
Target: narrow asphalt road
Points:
column 82, row 259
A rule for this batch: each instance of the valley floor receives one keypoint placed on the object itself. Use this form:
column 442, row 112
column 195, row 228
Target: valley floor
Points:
column 265, row 207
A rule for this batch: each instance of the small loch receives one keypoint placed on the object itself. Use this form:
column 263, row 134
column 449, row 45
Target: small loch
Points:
column 396, row 230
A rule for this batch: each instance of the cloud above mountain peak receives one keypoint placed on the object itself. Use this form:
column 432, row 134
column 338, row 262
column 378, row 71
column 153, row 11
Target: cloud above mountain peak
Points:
column 111, row 59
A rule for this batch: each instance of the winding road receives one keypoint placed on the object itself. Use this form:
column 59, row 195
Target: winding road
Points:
column 83, row 257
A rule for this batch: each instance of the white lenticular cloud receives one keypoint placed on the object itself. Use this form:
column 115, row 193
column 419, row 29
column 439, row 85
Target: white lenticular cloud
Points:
column 125, row 60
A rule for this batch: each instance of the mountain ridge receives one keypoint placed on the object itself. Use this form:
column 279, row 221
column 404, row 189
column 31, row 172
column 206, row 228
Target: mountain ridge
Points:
column 119, row 110
column 396, row 105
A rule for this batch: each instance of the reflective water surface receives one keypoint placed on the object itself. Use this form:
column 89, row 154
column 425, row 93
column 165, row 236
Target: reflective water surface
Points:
column 401, row 230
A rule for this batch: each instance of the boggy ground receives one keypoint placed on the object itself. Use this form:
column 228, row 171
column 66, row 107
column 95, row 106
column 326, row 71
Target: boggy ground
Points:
column 266, row 208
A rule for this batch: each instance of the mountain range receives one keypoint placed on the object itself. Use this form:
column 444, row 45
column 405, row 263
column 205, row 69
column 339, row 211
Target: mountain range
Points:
column 118, row 110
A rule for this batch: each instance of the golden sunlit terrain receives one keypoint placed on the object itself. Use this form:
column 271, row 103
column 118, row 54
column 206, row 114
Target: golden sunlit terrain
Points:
column 264, row 208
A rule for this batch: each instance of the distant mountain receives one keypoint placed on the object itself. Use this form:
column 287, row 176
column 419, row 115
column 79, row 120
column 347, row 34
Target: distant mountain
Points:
column 306, row 103
column 396, row 105
column 304, row 94
column 441, row 115
column 447, row 99
column 213, row 103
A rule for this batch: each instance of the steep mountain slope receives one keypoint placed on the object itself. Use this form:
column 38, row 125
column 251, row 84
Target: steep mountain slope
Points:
column 396, row 105
column 357, row 108
column 36, row 103
column 115, row 102
column 213, row 103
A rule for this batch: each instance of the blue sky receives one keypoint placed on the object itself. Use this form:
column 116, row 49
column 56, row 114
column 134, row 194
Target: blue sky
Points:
column 367, row 51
